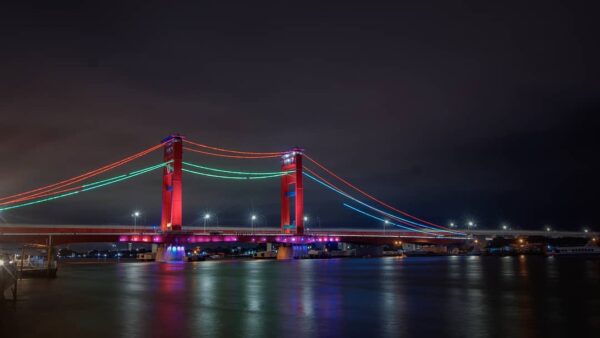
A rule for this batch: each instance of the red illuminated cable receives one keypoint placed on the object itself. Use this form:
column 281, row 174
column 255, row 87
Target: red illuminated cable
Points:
column 52, row 189
column 372, row 197
column 79, row 178
column 398, row 219
column 70, row 181
column 278, row 153
column 230, row 156
column 383, row 213
column 85, row 176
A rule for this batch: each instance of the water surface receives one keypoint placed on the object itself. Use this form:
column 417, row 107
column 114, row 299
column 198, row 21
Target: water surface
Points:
column 383, row 297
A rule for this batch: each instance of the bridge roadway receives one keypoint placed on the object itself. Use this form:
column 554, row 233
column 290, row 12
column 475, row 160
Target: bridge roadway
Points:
column 64, row 234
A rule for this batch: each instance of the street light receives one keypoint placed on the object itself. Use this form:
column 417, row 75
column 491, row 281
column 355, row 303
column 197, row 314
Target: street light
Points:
column 206, row 218
column 452, row 224
column 253, row 218
column 504, row 227
column 586, row 230
column 135, row 215
column 548, row 228
column 384, row 224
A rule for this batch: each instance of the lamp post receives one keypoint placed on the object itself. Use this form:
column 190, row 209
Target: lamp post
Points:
column 470, row 224
column 206, row 218
column 384, row 224
column 135, row 215
column 252, row 219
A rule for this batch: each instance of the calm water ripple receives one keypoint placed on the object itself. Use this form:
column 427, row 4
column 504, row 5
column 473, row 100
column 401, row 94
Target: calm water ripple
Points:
column 385, row 297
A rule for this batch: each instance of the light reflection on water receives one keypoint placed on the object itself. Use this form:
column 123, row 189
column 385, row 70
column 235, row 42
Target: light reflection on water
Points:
column 386, row 297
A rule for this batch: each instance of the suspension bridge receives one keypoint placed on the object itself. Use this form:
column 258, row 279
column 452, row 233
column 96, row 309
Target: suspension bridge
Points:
column 295, row 167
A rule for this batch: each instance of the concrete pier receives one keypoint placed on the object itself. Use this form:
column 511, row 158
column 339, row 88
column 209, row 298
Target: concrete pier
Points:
column 169, row 253
column 292, row 251
column 285, row 252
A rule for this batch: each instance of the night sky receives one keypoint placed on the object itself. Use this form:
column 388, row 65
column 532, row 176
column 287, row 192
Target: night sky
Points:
column 454, row 110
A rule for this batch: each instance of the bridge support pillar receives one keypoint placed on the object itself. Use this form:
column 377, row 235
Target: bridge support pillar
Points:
column 169, row 253
column 285, row 252
column 159, row 253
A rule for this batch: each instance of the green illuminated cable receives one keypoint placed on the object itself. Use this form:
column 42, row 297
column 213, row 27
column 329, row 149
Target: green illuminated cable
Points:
column 90, row 186
column 237, row 172
column 235, row 177
column 120, row 179
column 126, row 175
column 39, row 201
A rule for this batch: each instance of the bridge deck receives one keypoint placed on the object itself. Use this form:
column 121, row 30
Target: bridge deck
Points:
column 63, row 234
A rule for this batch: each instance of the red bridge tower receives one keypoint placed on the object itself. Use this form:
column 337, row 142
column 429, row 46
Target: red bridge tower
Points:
column 292, row 161
column 171, row 219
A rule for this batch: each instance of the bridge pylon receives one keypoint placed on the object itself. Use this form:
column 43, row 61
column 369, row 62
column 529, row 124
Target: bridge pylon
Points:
column 292, row 186
column 172, row 200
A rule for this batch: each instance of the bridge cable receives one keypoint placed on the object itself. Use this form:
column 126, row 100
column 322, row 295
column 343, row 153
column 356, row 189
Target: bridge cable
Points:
column 370, row 196
column 234, row 172
column 232, row 177
column 413, row 227
column 278, row 153
column 331, row 186
column 230, row 156
column 399, row 219
column 383, row 220
column 90, row 186
column 52, row 187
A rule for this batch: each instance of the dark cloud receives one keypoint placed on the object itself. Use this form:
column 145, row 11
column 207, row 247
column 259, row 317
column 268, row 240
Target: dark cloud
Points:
column 448, row 110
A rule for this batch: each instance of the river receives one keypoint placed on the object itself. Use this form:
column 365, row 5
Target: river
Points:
column 527, row 296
